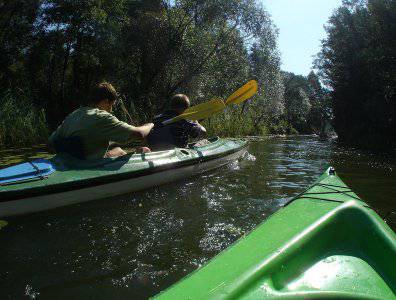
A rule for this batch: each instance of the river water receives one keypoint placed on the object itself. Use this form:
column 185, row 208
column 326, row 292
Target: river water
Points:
column 136, row 245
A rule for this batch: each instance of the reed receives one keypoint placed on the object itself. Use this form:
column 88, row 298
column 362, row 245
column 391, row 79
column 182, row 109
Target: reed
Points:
column 233, row 124
column 21, row 123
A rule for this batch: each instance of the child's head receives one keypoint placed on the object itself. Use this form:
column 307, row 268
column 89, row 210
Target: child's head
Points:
column 179, row 103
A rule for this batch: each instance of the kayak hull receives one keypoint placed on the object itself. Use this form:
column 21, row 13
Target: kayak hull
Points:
column 158, row 172
column 325, row 244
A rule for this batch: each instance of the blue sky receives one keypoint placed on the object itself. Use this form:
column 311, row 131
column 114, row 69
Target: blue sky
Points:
column 300, row 24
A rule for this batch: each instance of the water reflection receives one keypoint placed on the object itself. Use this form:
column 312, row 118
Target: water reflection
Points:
column 138, row 244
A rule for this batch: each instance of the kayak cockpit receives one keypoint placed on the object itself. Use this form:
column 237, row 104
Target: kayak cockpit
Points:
column 325, row 244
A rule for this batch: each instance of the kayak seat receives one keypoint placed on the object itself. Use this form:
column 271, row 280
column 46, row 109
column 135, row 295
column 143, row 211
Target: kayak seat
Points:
column 72, row 145
column 203, row 142
column 330, row 259
column 32, row 170
column 65, row 161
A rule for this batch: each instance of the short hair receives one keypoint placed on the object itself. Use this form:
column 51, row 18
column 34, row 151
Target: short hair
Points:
column 179, row 101
column 103, row 91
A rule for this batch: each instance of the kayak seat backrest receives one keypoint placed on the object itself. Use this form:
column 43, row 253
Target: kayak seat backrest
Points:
column 203, row 142
column 32, row 170
column 72, row 145
column 342, row 250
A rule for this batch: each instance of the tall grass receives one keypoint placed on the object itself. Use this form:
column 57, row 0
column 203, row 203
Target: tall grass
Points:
column 21, row 124
column 237, row 124
column 233, row 124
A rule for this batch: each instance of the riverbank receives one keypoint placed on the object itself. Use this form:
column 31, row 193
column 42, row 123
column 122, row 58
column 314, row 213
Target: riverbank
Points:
column 13, row 156
column 22, row 125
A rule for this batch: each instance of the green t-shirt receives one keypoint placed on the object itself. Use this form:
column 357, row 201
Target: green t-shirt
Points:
column 96, row 129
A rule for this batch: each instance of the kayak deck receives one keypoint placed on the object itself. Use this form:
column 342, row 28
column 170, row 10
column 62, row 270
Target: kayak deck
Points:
column 74, row 173
column 326, row 243
column 76, row 181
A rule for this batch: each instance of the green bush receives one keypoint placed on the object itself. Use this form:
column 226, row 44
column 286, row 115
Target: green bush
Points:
column 233, row 124
column 281, row 126
column 21, row 124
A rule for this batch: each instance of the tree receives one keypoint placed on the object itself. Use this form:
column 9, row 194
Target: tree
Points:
column 16, row 36
column 357, row 61
column 269, row 105
column 58, row 49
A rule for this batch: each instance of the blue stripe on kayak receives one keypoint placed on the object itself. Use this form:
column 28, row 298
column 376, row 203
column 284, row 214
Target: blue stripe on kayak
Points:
column 35, row 169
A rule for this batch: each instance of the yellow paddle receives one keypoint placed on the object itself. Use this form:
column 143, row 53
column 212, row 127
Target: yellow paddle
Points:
column 200, row 111
column 243, row 93
column 207, row 109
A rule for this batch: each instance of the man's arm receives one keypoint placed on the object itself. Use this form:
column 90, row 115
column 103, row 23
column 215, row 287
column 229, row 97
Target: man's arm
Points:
column 197, row 130
column 120, row 132
column 202, row 130
column 141, row 132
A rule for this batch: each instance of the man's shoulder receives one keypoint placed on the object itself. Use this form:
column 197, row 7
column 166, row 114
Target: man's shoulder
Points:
column 86, row 111
column 87, row 117
column 96, row 112
column 164, row 116
column 100, row 116
column 188, row 124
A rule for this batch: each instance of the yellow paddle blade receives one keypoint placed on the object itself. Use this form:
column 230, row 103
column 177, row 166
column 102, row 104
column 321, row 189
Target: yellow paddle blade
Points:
column 200, row 111
column 3, row 224
column 243, row 93
column 215, row 104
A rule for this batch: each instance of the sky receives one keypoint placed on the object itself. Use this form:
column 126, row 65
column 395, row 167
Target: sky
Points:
column 300, row 24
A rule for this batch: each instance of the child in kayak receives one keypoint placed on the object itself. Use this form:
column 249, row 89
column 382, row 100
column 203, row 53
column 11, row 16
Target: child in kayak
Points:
column 88, row 132
column 177, row 134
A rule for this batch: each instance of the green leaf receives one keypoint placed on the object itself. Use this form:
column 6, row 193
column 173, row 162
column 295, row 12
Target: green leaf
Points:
column 3, row 224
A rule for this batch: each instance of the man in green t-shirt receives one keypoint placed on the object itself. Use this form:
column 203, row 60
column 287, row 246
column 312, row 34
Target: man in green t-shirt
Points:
column 88, row 132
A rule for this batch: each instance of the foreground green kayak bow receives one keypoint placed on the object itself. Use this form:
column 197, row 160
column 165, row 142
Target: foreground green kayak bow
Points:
column 325, row 244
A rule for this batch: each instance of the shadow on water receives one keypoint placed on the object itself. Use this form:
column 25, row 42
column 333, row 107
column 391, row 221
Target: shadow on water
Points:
column 136, row 245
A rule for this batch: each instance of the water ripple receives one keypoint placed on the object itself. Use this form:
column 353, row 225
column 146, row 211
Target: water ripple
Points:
column 135, row 245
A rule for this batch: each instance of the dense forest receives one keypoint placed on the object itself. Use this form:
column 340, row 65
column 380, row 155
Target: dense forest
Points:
column 54, row 51
column 358, row 64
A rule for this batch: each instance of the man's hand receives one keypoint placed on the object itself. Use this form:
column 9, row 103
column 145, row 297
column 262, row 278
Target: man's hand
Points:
column 144, row 130
column 203, row 130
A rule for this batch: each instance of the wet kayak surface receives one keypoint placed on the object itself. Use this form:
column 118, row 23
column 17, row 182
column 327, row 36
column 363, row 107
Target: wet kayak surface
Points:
column 138, row 244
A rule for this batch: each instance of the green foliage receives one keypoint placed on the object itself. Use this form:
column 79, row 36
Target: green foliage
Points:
column 282, row 126
column 234, row 123
column 269, row 104
column 16, row 34
column 307, row 105
column 3, row 224
column 56, row 50
column 358, row 62
column 21, row 123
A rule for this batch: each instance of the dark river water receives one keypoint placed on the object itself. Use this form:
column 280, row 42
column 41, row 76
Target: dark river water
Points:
column 138, row 244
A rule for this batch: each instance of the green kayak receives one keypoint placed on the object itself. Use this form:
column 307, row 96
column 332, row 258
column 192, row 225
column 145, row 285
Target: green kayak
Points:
column 324, row 244
column 44, row 184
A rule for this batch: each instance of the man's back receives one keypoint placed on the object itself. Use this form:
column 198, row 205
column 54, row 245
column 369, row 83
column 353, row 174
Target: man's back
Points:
column 176, row 134
column 94, row 128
